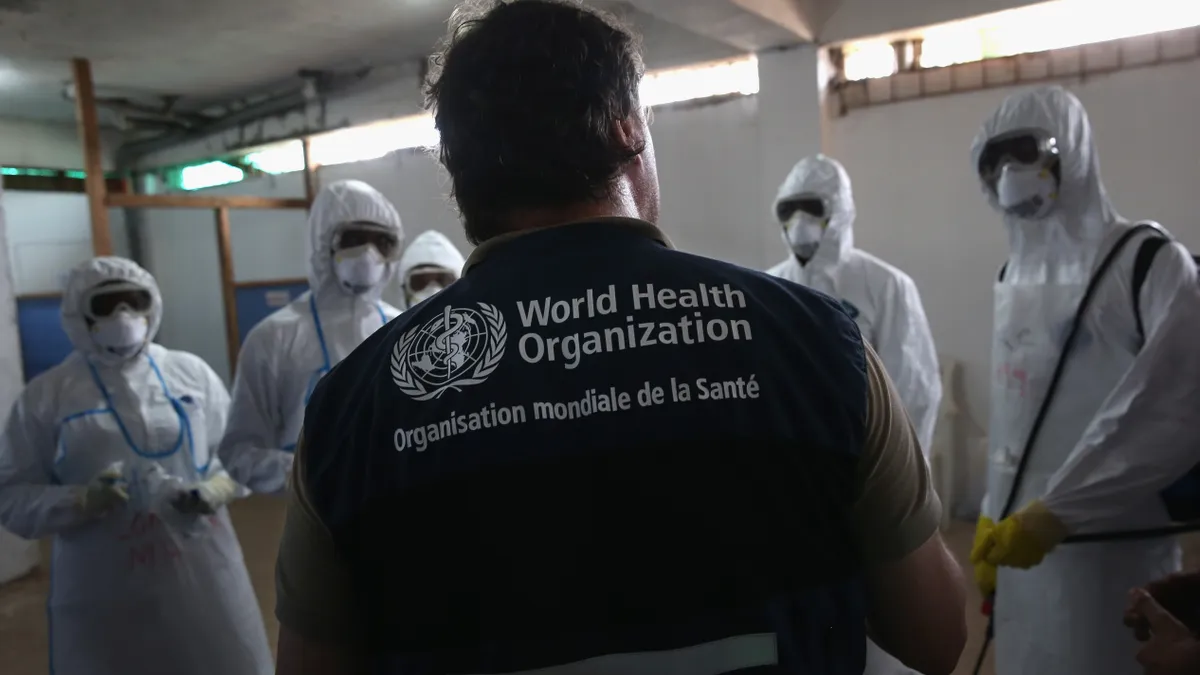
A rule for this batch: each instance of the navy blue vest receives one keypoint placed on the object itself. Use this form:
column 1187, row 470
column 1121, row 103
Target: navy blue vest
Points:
column 593, row 444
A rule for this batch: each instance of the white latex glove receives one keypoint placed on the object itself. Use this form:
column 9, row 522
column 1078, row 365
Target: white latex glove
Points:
column 207, row 496
column 105, row 492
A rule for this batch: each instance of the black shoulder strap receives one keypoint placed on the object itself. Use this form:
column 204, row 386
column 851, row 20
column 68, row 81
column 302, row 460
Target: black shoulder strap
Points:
column 1141, row 269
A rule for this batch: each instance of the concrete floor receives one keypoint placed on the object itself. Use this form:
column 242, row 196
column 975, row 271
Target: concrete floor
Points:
column 259, row 521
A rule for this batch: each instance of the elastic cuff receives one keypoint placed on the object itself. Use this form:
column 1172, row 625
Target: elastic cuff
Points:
column 1043, row 524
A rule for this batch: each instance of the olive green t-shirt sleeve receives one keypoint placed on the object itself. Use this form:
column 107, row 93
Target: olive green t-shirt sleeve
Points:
column 897, row 510
column 312, row 583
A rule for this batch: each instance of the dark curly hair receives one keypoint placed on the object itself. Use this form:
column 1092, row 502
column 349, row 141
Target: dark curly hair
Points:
column 525, row 94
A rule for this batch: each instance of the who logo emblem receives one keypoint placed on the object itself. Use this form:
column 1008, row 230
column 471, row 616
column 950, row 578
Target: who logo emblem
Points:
column 458, row 348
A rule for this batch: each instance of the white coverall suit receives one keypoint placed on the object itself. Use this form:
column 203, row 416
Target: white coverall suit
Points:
column 285, row 355
column 883, row 300
column 142, row 589
column 1122, row 425
column 429, row 250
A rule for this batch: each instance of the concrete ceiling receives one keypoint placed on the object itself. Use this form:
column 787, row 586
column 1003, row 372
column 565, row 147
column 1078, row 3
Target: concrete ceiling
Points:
column 219, row 49
column 202, row 51
column 219, row 55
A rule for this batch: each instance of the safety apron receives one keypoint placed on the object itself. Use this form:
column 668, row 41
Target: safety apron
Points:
column 131, row 593
column 1061, row 617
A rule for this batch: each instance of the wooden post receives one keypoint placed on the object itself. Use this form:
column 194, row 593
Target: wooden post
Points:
column 310, row 173
column 228, row 289
column 93, row 164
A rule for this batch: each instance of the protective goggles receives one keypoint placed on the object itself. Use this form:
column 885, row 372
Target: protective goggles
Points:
column 354, row 235
column 1027, row 147
column 421, row 277
column 813, row 205
column 110, row 298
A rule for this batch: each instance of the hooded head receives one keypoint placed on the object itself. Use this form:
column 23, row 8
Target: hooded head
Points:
column 817, row 183
column 1077, row 213
column 429, row 264
column 111, row 309
column 358, row 270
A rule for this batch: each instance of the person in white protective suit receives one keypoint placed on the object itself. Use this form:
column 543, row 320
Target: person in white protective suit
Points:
column 354, row 242
column 1122, row 424
column 112, row 453
column 429, row 264
column 815, row 207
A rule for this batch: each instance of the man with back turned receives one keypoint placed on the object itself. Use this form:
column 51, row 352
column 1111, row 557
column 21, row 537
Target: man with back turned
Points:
column 594, row 453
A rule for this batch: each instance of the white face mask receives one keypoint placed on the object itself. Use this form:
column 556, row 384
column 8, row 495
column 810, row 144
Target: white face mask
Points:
column 123, row 334
column 1027, row 192
column 359, row 269
column 417, row 297
column 804, row 234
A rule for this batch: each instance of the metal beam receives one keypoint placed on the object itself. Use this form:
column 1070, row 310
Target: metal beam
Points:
column 283, row 104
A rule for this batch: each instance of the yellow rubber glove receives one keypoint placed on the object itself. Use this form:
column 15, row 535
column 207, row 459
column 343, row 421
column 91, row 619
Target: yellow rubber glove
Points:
column 985, row 572
column 1021, row 540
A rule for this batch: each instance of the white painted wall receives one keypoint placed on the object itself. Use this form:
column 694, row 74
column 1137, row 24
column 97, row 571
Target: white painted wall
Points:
column 48, row 234
column 17, row 556
column 49, row 145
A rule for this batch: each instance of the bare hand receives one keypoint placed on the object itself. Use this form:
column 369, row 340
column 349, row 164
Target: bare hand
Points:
column 1178, row 594
column 1171, row 648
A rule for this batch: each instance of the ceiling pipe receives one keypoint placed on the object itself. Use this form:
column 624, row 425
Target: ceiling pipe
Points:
column 130, row 153
column 320, row 85
column 297, row 135
column 147, row 123
column 165, row 118
column 163, row 109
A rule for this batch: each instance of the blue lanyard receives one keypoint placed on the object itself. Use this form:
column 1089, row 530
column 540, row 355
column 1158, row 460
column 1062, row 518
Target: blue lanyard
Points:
column 312, row 305
column 185, row 425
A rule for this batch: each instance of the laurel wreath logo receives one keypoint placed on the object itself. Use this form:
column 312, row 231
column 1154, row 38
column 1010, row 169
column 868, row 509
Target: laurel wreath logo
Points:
column 409, row 384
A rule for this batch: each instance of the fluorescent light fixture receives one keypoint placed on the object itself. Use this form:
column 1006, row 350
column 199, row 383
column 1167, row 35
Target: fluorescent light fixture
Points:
column 210, row 174
column 737, row 76
column 372, row 141
column 282, row 158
